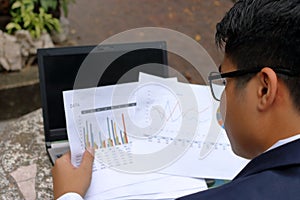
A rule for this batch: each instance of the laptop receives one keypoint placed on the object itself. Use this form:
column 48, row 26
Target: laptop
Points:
column 59, row 66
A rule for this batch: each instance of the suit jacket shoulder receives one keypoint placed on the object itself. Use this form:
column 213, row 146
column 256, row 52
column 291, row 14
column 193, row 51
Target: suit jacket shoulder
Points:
column 272, row 175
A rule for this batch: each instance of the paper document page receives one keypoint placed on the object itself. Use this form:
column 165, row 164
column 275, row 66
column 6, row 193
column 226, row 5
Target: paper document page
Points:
column 147, row 132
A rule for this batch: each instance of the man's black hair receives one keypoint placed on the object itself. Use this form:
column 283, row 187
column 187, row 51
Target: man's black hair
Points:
column 258, row 33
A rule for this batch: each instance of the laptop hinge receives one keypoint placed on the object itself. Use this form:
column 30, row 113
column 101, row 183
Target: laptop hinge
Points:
column 48, row 144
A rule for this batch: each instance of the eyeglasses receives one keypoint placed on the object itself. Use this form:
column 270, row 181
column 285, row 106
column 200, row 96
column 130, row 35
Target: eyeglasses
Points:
column 217, row 80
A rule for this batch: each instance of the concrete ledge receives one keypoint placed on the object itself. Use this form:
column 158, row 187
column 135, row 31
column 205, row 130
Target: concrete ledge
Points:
column 25, row 169
column 19, row 92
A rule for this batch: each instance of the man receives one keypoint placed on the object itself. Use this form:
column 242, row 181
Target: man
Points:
column 260, row 104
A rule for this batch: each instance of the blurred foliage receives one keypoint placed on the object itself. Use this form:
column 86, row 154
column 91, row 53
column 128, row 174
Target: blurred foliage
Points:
column 64, row 4
column 52, row 4
column 24, row 17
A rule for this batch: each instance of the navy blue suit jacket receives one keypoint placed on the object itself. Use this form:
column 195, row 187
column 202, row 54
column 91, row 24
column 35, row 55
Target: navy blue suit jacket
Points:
column 272, row 175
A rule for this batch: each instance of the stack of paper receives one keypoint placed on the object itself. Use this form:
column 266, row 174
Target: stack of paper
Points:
column 153, row 139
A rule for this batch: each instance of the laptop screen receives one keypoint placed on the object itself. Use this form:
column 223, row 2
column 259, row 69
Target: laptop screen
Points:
column 58, row 68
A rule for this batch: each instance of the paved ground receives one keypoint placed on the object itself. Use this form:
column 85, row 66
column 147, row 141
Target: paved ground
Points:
column 24, row 166
column 195, row 18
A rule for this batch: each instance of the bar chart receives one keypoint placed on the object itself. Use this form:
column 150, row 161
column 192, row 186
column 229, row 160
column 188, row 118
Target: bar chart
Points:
column 108, row 136
column 104, row 129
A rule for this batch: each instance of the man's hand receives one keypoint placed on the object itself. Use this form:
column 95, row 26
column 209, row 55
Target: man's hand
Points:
column 67, row 178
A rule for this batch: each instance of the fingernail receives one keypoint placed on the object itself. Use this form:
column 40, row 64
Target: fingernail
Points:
column 91, row 150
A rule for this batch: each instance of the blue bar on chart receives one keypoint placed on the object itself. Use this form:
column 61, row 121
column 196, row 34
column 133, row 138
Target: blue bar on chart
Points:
column 98, row 139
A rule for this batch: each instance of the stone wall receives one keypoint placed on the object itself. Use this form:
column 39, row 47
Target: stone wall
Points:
column 19, row 51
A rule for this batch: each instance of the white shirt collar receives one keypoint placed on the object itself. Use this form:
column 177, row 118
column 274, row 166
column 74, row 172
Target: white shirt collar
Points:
column 284, row 141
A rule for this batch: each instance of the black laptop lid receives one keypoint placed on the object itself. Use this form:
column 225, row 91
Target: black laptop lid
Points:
column 58, row 69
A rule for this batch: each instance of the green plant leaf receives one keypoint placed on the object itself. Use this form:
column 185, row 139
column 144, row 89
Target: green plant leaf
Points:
column 15, row 5
column 11, row 26
column 38, row 31
column 46, row 4
column 24, row 17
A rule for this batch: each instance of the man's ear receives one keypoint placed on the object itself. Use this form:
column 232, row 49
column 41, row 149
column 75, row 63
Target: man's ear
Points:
column 267, row 89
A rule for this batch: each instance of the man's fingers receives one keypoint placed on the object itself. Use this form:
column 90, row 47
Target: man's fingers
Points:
column 66, row 156
column 63, row 159
column 91, row 150
column 87, row 160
